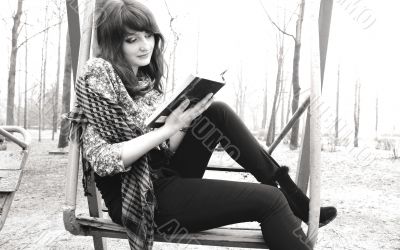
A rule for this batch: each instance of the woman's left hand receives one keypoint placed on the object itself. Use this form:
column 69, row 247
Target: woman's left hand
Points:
column 180, row 118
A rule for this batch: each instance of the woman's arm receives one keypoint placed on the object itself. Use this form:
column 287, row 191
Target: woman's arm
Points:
column 133, row 149
column 179, row 118
column 111, row 158
column 175, row 140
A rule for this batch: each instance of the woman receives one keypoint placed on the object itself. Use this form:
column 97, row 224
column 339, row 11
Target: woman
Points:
column 151, row 179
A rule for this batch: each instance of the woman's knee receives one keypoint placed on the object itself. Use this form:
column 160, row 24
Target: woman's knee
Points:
column 218, row 107
column 274, row 201
column 217, row 112
column 212, row 117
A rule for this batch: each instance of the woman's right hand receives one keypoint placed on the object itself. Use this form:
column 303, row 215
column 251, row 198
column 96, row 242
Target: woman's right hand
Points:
column 179, row 118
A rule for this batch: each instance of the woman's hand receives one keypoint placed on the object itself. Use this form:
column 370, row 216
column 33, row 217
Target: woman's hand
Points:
column 179, row 118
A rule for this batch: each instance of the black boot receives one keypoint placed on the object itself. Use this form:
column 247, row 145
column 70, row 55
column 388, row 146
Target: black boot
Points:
column 298, row 201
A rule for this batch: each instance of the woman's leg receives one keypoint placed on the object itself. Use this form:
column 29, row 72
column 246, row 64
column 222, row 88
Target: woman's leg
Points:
column 220, row 124
column 191, row 204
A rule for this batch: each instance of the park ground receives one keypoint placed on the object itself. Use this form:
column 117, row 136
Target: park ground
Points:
column 362, row 183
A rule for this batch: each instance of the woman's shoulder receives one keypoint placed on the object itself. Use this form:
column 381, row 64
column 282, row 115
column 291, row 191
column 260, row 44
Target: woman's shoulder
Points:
column 99, row 76
column 97, row 65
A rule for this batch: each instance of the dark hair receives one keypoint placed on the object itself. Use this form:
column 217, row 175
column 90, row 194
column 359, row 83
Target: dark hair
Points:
column 113, row 21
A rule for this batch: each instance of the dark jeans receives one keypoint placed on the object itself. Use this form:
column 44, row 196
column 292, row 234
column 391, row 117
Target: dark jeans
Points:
column 188, row 202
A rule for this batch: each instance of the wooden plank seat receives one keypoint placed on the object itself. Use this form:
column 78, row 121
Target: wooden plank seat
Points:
column 224, row 236
column 12, row 164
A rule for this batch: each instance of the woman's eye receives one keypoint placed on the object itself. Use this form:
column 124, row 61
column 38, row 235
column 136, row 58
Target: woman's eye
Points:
column 148, row 35
column 131, row 40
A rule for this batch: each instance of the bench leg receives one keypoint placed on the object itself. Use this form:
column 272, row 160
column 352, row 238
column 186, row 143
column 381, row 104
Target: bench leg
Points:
column 95, row 210
column 99, row 243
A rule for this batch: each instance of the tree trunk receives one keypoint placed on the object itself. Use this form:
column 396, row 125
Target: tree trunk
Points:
column 19, row 97
column 240, row 94
column 288, row 105
column 265, row 106
column 337, row 110
column 295, row 77
column 242, row 104
column 66, row 96
column 42, row 95
column 376, row 116
column 55, row 104
column 356, row 112
column 272, row 121
column 173, row 69
column 172, row 58
column 282, row 101
column 13, row 64
column 26, row 80
column 280, row 98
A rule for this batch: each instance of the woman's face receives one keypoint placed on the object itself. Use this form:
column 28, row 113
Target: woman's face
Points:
column 137, row 48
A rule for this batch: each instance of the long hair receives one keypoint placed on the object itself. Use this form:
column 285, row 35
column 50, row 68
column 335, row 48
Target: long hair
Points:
column 113, row 21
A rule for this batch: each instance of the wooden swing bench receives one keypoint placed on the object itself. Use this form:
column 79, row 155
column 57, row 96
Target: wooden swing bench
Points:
column 12, row 164
column 100, row 228
column 97, row 227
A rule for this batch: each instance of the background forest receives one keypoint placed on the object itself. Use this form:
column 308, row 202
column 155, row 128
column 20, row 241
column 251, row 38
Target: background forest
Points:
column 263, row 44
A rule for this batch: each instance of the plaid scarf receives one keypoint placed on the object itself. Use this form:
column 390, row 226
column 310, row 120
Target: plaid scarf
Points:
column 138, row 199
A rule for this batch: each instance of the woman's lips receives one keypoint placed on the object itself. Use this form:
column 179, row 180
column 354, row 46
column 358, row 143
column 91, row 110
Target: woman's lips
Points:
column 144, row 55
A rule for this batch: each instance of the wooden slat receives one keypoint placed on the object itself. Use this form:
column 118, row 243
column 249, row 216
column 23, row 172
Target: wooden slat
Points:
column 3, row 199
column 224, row 236
column 229, row 168
column 99, row 223
column 10, row 160
column 9, row 180
column 6, row 199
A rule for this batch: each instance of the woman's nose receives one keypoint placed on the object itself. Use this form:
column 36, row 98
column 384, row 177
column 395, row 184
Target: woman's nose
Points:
column 144, row 45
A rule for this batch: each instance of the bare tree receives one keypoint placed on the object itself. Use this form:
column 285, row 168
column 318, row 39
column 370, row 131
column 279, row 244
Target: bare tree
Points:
column 26, row 79
column 13, row 64
column 55, row 99
column 337, row 109
column 19, row 96
column 288, row 106
column 295, row 75
column 172, row 58
column 240, row 93
column 357, row 98
column 265, row 105
column 66, row 96
column 282, row 101
column 42, row 86
column 376, row 115
column 278, row 82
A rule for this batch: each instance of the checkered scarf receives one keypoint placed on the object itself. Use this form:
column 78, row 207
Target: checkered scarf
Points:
column 138, row 200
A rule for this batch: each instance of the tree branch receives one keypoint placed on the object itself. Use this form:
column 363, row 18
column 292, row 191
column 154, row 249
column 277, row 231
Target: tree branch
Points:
column 276, row 25
column 38, row 33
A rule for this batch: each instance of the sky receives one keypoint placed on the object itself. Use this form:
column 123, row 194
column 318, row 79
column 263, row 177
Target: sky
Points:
column 236, row 35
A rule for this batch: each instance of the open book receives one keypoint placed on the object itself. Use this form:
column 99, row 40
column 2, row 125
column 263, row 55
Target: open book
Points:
column 195, row 88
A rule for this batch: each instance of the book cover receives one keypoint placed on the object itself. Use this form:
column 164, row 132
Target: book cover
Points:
column 195, row 89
